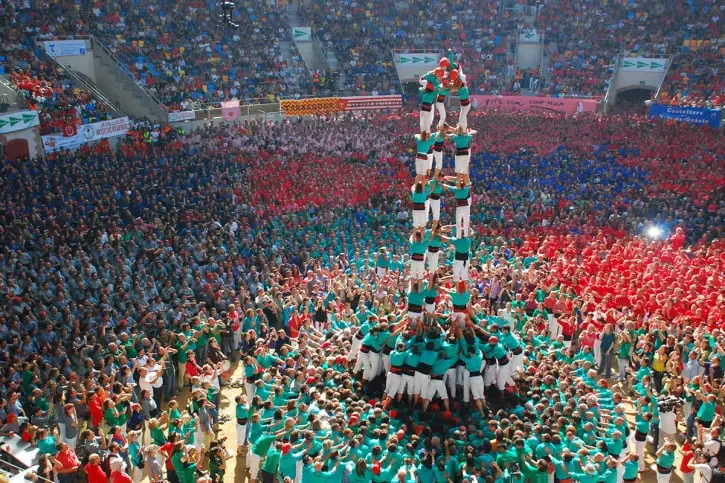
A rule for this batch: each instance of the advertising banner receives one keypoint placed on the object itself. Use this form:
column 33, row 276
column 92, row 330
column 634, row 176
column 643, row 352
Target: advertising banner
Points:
column 692, row 115
column 423, row 60
column 372, row 103
column 62, row 48
column 179, row 116
column 302, row 34
column 335, row 105
column 18, row 121
column 86, row 134
column 643, row 64
column 568, row 105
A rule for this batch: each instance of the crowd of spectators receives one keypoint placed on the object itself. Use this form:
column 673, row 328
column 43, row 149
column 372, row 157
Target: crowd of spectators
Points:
column 164, row 260
column 584, row 39
column 364, row 37
column 61, row 105
column 696, row 79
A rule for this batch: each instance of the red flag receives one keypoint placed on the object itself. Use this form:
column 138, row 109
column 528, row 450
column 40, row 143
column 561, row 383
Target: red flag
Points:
column 231, row 110
column 69, row 130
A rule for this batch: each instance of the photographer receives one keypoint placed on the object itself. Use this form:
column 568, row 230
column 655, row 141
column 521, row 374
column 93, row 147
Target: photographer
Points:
column 667, row 406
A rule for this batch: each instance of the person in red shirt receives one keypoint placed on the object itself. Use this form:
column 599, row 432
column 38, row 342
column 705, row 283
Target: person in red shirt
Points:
column 117, row 473
column 192, row 367
column 94, row 471
column 95, row 407
column 66, row 463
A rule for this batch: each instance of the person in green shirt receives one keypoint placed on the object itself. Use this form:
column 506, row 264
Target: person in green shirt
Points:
column 535, row 471
column 271, row 462
column 665, row 461
column 624, row 352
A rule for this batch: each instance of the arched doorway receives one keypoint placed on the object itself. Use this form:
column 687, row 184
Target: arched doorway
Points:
column 633, row 99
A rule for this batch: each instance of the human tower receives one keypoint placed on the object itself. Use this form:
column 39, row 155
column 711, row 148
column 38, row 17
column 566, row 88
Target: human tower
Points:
column 421, row 357
column 429, row 186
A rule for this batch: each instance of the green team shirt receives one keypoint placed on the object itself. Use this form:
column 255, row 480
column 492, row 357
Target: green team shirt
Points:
column 271, row 461
column 460, row 299
column 462, row 245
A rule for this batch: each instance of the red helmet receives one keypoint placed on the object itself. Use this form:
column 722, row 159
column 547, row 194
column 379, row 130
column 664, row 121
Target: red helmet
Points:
column 444, row 62
column 453, row 74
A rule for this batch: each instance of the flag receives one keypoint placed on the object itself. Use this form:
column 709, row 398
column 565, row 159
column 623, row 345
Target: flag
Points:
column 69, row 130
column 231, row 110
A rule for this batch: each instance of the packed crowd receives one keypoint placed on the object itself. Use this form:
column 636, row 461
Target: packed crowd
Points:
column 585, row 37
column 61, row 105
column 696, row 79
column 128, row 276
column 365, row 35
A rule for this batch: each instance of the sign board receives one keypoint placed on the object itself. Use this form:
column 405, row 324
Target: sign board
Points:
column 302, row 34
column 411, row 67
column 179, row 116
column 63, row 48
column 692, row 115
column 86, row 134
column 570, row 105
column 643, row 64
column 373, row 103
column 18, row 121
column 322, row 106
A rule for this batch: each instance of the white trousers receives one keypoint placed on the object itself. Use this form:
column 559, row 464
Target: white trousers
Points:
column 663, row 478
column 436, row 386
column 426, row 120
column 463, row 116
column 476, row 388
column 406, row 384
column 354, row 348
column 393, row 383
column 437, row 159
column 385, row 358
column 421, row 164
column 362, row 362
column 435, row 208
column 462, row 161
column 136, row 474
column 415, row 317
column 374, row 364
column 420, row 383
column 450, row 380
column 241, row 434
column 459, row 318
column 460, row 270
column 433, row 258
column 420, row 218
column 489, row 374
column 417, row 269
column 250, row 390
column 441, row 108
column 503, row 376
column 463, row 219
